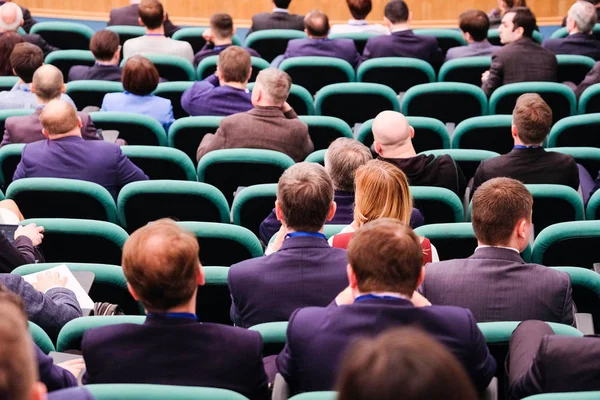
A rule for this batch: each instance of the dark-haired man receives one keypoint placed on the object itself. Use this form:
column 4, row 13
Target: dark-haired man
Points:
column 280, row 18
column 474, row 25
column 129, row 15
column 106, row 48
column 359, row 9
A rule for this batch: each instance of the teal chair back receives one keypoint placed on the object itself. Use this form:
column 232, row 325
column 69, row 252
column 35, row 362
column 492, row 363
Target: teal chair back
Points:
column 173, row 91
column 272, row 42
column 490, row 132
column 185, row 134
column 208, row 66
column 447, row 38
column 576, row 131
column 135, row 129
column 161, row 162
column 91, row 93
column 572, row 68
column 316, row 396
column 252, row 205
column 438, row 205
column 565, row 396
column 396, row 72
column 7, row 82
column 568, row 243
column 10, row 156
column 122, row 391
column 65, row 59
column 324, row 130
column 588, row 157
column 314, row 73
column 41, row 338
column 501, row 332
column 593, row 207
column 71, row 334
column 465, row 70
column 586, row 291
column 64, row 35
column 194, row 37
column 360, row 38
column 468, row 160
column 213, row 300
column 127, row 32
column 560, row 33
column 589, row 101
column 171, row 68
column 273, row 335
column 317, row 157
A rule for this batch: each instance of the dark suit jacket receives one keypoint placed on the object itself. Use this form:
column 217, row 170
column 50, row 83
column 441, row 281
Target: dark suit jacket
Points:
column 53, row 376
column 129, row 15
column 521, row 61
column 590, row 79
column 337, row 48
column 309, row 361
column 266, row 128
column 28, row 20
column 305, row 272
column 13, row 256
column 176, row 351
column 530, row 166
column 209, row 49
column 578, row 44
column 98, row 72
column 497, row 285
column 78, row 393
column 276, row 20
column 404, row 44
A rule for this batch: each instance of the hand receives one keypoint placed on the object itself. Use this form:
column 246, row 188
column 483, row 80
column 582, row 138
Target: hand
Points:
column 49, row 279
column 286, row 107
column 419, row 300
column 279, row 238
column 32, row 231
column 73, row 366
column 207, row 35
column 485, row 76
column 345, row 297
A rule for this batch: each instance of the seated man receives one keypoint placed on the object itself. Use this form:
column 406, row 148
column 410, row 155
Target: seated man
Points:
column 495, row 283
column 130, row 15
column 161, row 265
column 359, row 9
column 590, row 79
column 106, row 47
column 67, row 155
column 224, row 93
column 280, row 18
column 271, row 125
column 580, row 23
column 304, row 270
column 474, row 25
column 385, row 266
column 28, row 20
column 12, row 18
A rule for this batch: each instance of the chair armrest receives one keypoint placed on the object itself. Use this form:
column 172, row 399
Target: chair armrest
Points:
column 491, row 393
column 585, row 323
column 281, row 390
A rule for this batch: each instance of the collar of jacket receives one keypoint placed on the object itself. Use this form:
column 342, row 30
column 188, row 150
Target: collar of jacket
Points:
column 299, row 242
column 266, row 111
column 498, row 253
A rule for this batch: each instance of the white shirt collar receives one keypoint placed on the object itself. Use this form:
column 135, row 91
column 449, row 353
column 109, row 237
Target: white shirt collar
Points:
column 281, row 10
column 498, row 247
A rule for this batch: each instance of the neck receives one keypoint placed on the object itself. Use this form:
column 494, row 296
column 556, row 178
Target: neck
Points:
column 188, row 307
column 222, row 41
column 317, row 37
column 158, row 31
column 518, row 142
column 400, row 26
column 404, row 151
column 290, row 230
column 265, row 103
column 513, row 244
column 574, row 31
column 44, row 102
column 64, row 135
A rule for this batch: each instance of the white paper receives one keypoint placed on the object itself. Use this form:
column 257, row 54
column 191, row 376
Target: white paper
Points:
column 85, row 301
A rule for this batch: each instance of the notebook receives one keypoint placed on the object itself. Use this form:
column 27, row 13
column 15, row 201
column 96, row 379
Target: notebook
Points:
column 85, row 302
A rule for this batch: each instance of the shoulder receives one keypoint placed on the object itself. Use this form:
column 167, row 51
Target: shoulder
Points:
column 456, row 317
column 560, row 157
column 107, row 334
column 34, row 147
column 379, row 39
column 161, row 101
column 261, row 16
column 308, row 317
column 445, row 161
column 241, row 335
column 548, row 274
column 246, row 268
column 298, row 42
column 10, row 121
column 344, row 42
column 552, row 42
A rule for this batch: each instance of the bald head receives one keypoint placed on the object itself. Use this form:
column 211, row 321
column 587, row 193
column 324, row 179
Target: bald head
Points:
column 11, row 17
column 391, row 132
column 48, row 83
column 60, row 118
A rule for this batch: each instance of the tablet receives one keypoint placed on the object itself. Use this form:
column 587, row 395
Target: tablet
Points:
column 9, row 232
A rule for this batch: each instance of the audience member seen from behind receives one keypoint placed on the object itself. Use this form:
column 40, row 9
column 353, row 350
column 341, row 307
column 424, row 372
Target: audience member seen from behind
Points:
column 303, row 270
column 7, row 44
column 385, row 266
column 280, row 18
column 504, row 6
column 359, row 9
column 474, row 25
column 28, row 20
column 495, row 283
column 130, row 16
column 402, row 360
column 163, row 272
column 140, row 79
column 106, row 47
column 226, row 91
column 595, row 3
column 590, row 79
column 11, row 19
column 271, row 125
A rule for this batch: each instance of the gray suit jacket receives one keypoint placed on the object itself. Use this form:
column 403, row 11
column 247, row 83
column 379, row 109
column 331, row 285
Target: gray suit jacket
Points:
column 484, row 48
column 497, row 285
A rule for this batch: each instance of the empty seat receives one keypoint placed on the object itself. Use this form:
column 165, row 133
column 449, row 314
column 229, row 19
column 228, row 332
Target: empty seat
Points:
column 173, row 92
column 589, row 101
column 64, row 35
column 252, row 205
column 314, row 73
column 572, row 68
column 438, row 205
column 208, row 66
column 465, row 70
column 213, row 300
column 10, row 156
column 324, row 130
column 430, row 134
column 194, row 37
column 65, row 59
column 71, row 334
column 360, row 38
column 467, row 160
column 186, row 134
column 91, row 93
column 568, row 243
column 161, row 162
column 576, row 131
column 157, row 392
column 171, row 68
column 490, row 132
column 447, row 38
column 272, row 42
column 7, row 82
column 136, row 129
column 399, row 73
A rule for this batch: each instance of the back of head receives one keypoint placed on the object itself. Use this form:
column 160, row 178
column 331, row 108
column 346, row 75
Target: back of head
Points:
column 316, row 23
column 533, row 119
column 386, row 256
column 381, row 191
column 151, row 13
column 140, row 76
column 359, row 8
column 104, row 45
column 58, row 118
column 282, row 3
column 391, row 131
column 160, row 263
column 8, row 41
column 25, row 59
column 476, row 23
column 48, row 82
column 498, row 206
column 403, row 360
column 396, row 11
column 343, row 157
column 234, row 64
column 221, row 25
column 275, row 83
column 11, row 17
column 583, row 14
column 524, row 18
column 305, row 194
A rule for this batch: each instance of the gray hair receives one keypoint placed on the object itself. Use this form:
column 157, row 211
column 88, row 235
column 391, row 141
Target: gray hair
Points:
column 584, row 16
column 14, row 25
column 342, row 159
column 275, row 83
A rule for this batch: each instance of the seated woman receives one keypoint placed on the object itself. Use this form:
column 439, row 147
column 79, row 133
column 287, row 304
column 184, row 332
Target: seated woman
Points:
column 140, row 78
column 381, row 191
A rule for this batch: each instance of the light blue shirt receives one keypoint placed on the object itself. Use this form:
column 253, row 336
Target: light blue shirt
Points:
column 20, row 96
column 153, row 106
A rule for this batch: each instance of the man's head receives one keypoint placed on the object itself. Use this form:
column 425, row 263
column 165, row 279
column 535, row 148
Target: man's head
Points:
column 501, row 213
column 305, row 198
column 48, row 83
column 343, row 157
column 11, row 17
column 359, row 8
column 272, row 88
column 392, row 133
column 161, row 265
column 106, row 46
column 234, row 65
column 517, row 23
column 316, row 24
column 282, row 3
column 396, row 12
column 59, row 119
column 581, row 18
column 475, row 25
column 532, row 120
column 8, row 41
column 221, row 25
column 152, row 14
column 25, row 59
column 140, row 76
column 385, row 256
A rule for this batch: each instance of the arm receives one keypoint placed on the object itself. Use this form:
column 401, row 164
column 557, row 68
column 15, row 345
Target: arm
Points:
column 483, row 365
column 461, row 181
column 575, row 175
column 269, row 227
column 196, row 91
column 568, row 310
column 12, row 257
column 127, row 171
column 53, row 376
column 89, row 131
column 212, row 142
column 234, row 313
column 6, row 138
column 590, row 79
column 285, row 358
column 21, row 171
column 495, row 77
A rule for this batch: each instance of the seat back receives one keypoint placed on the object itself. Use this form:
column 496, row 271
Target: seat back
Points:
column 438, row 205
column 136, row 129
column 213, row 300
column 10, row 156
column 71, row 334
column 568, row 243
column 576, row 131
column 593, row 207
column 317, row 157
column 41, row 338
column 587, row 157
column 565, row 396
column 454, row 240
column 314, row 73
column 589, row 101
column 360, row 38
column 273, row 335
column 331, row 395
column 208, row 66
column 252, row 205
column 173, row 91
column 65, row 59
column 7, row 82
column 194, row 37
column 127, row 32
column 272, row 42
column 494, row 37
column 586, row 291
column 490, row 132
column 161, row 162
column 324, row 130
column 64, row 35
column 467, row 160
column 186, row 134
column 91, row 93
column 572, row 68
column 396, row 72
column 465, row 70
column 171, row 68
column 447, row 38
column 157, row 392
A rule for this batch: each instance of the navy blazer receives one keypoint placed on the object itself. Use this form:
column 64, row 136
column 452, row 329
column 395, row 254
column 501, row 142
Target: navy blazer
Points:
column 306, row 271
column 97, row 72
column 336, row 48
column 209, row 98
column 578, row 44
column 404, row 44
column 53, row 376
column 176, row 351
column 309, row 361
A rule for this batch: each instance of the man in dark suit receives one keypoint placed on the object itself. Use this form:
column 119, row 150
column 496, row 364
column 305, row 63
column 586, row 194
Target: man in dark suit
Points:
column 271, row 125
column 528, row 162
column 495, row 283
column 542, row 362
column 521, row 59
column 302, row 269
column 106, row 47
column 11, row 19
column 384, row 269
column 28, row 20
column 129, row 15
column 474, row 25
column 580, row 23
column 67, row 155
column 161, row 265
column 402, row 42
column 280, row 18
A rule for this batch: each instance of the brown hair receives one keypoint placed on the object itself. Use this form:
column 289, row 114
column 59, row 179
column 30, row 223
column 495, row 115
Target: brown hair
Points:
column 160, row 262
column 48, row 82
column 359, row 8
column 104, row 45
column 221, row 25
column 343, row 157
column 386, row 256
column 498, row 205
column 151, row 13
column 305, row 193
column 402, row 360
column 316, row 23
column 8, row 40
column 524, row 18
column 234, row 64
column 533, row 118
column 140, row 76
column 476, row 23
column 59, row 117
column 25, row 59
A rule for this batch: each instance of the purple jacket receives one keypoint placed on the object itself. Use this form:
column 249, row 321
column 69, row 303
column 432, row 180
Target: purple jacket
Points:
column 210, row 49
column 53, row 376
column 208, row 98
column 336, row 48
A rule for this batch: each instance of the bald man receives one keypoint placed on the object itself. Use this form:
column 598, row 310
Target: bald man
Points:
column 393, row 143
column 67, row 155
column 12, row 18
column 28, row 20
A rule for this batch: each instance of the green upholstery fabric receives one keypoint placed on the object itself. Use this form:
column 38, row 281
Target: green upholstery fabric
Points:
column 252, row 205
column 161, row 162
column 446, row 38
column 173, row 91
column 399, row 73
column 317, row 157
column 360, row 38
column 194, row 37
column 500, row 332
column 186, row 134
column 41, row 338
column 586, row 291
column 272, row 42
column 208, row 66
column 588, row 157
column 490, row 132
column 324, row 130
column 172, row 68
column 593, row 206
column 272, row 332
column 589, row 101
column 314, row 73
column 71, row 334
column 10, row 156
column 136, row 129
column 573, row 68
column 64, row 35
column 439, row 205
column 7, row 82
column 159, row 392
column 91, row 93
column 465, row 70
column 560, row 33
column 568, row 243
column 315, row 396
column 566, row 396
column 127, row 32
column 65, row 59
column 576, row 131
column 467, row 159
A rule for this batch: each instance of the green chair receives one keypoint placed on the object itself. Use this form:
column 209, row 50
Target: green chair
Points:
column 64, row 35
column 573, row 68
column 63, row 198
column 447, row 38
column 81, row 240
column 171, row 68
column 4, row 114
column 224, row 244
column 465, row 70
column 560, row 33
column 494, row 37
column 324, row 130
column 586, row 291
column 173, row 91
column 186, row 134
column 10, row 156
column 333, row 229
column 355, row 102
column 314, row 73
column 273, row 335
column 213, row 300
column 127, row 32
column 142, row 202
column 593, row 207
column 272, row 42
column 501, row 332
column 316, row 396
column 41, row 338
column 230, row 169
column 467, row 160
column 109, row 284
column 208, row 66
column 65, row 59
column 568, row 243
column 7, row 82
column 252, row 205
column 588, row 157
column 565, row 396
column 490, row 132
column 136, row 129
column 71, row 334
column 299, row 99
column 438, row 205
column 91, row 93
column 360, row 38
column 576, row 131
column 317, row 157
column 161, row 162
column 589, row 101
column 119, row 391
column 194, row 37
column 399, row 73
column 559, row 97
column 445, row 101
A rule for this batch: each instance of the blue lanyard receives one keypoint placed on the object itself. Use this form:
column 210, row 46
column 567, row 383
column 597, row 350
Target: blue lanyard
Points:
column 304, row 234
column 173, row 315
column 372, row 296
column 219, row 48
column 520, row 146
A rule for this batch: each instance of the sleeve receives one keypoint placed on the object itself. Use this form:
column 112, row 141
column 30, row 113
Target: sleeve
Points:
column 575, row 175
column 269, row 227
column 89, row 131
column 483, row 365
column 212, row 142
column 53, row 376
column 461, row 180
column 261, row 386
column 568, row 309
column 496, row 76
column 12, row 257
column 21, row 171
column 127, row 171
column 285, row 359
column 110, row 18
column 233, row 312
column 590, row 79
column 196, row 91
column 367, row 51
column 46, row 48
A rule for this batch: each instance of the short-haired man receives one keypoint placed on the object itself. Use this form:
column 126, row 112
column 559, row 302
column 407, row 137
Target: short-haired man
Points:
column 161, row 265
column 280, row 18
column 580, row 23
column 521, row 59
column 271, row 125
column 474, row 25
column 47, row 85
column 385, row 266
column 402, row 42
column 106, row 48
column 305, row 270
column 495, row 283
column 152, row 16
column 12, row 18
column 28, row 20
column 226, row 91
column 359, row 9
column 130, row 16
column 529, row 162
